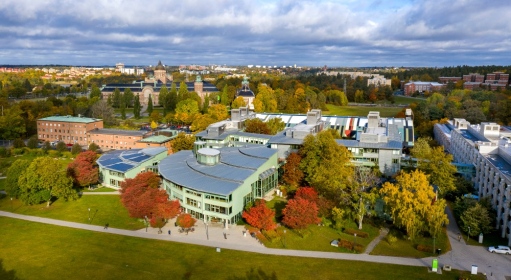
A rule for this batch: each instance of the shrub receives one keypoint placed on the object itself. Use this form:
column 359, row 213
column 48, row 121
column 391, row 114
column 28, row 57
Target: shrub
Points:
column 391, row 239
column 424, row 248
column 359, row 233
column 271, row 235
column 18, row 151
column 5, row 152
column 350, row 245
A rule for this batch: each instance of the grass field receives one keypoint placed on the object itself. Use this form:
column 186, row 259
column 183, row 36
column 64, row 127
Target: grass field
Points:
column 38, row 251
column 104, row 209
column 360, row 110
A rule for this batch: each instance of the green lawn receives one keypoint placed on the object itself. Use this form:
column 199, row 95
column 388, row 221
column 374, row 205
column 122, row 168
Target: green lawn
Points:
column 360, row 111
column 104, row 209
column 99, row 189
column 38, row 251
column 406, row 248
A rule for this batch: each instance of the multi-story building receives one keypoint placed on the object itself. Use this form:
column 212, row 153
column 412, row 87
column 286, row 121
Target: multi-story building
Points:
column 216, row 184
column 486, row 146
column 67, row 129
column 446, row 80
column 117, row 166
column 117, row 139
column 378, row 80
column 421, row 87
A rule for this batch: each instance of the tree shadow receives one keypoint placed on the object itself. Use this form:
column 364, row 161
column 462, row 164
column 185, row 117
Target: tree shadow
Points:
column 254, row 274
column 279, row 206
column 7, row 274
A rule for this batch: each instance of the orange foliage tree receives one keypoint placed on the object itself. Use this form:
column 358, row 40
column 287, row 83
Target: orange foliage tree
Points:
column 185, row 221
column 260, row 216
column 293, row 175
column 84, row 169
column 299, row 213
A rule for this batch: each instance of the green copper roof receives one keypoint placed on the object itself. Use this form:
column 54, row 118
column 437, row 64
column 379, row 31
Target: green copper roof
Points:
column 69, row 119
column 156, row 139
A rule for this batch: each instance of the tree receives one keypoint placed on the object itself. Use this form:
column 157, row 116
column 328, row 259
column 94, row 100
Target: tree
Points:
column 275, row 125
column 293, row 175
column 163, row 99
column 364, row 195
column 435, row 163
column 43, row 180
column 76, row 149
column 128, row 97
column 168, row 209
column 182, row 142
column 173, row 99
column 201, row 122
column 136, row 107
column 327, row 166
column 32, row 142
column 477, row 219
column 238, row 102
column 411, row 201
column 12, row 124
column 140, row 195
column 123, row 109
column 256, row 125
column 101, row 110
column 93, row 147
column 186, row 110
column 218, row 112
column 157, row 222
column 260, row 216
column 84, row 169
column 154, row 125
column 18, row 143
column 61, row 147
column 185, row 221
column 307, row 193
column 95, row 92
column 116, row 98
column 265, row 100
column 183, row 93
column 300, row 213
column 149, row 109
column 13, row 174
column 46, row 146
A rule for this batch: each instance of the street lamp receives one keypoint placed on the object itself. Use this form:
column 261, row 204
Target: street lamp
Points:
column 146, row 224
column 355, row 246
column 284, row 238
column 12, row 206
column 468, row 236
column 89, row 215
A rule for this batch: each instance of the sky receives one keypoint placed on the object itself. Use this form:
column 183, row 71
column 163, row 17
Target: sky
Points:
column 345, row 33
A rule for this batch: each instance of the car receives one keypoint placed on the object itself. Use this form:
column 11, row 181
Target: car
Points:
column 500, row 249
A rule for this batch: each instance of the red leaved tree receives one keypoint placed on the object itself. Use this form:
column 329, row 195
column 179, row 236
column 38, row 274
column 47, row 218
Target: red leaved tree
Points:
column 141, row 195
column 307, row 193
column 299, row 213
column 167, row 209
column 157, row 222
column 293, row 175
column 84, row 169
column 260, row 216
column 185, row 221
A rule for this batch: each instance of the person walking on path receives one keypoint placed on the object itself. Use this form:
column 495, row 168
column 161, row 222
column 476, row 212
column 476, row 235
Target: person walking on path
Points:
column 169, row 232
column 106, row 226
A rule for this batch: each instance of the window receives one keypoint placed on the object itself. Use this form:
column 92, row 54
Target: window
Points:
column 192, row 202
column 215, row 208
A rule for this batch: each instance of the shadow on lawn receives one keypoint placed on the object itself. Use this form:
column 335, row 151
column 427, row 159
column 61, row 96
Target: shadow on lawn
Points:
column 7, row 274
column 253, row 274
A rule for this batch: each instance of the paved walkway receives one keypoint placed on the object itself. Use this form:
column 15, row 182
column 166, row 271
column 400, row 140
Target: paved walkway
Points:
column 370, row 246
column 461, row 257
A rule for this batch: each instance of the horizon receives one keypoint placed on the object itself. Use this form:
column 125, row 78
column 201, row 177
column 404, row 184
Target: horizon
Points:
column 369, row 33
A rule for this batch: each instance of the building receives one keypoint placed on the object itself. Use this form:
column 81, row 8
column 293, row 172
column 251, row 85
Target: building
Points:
column 446, row 80
column 67, row 129
column 378, row 80
column 373, row 141
column 118, row 165
column 117, row 139
column 421, row 87
column 162, row 138
column 246, row 93
column 487, row 147
column 215, row 185
column 496, row 80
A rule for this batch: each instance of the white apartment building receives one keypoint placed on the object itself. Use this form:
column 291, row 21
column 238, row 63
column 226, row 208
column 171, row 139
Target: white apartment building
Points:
column 487, row 146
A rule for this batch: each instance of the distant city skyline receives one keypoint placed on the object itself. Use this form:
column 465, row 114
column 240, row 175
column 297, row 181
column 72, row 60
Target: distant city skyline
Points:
column 343, row 33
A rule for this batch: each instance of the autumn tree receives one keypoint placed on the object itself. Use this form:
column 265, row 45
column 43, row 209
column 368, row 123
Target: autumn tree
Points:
column 218, row 112
column 182, row 141
column 185, row 221
column 168, row 209
column 412, row 203
column 363, row 194
column 238, row 102
column 44, row 180
column 256, row 125
column 157, row 222
column 433, row 161
column 307, row 193
column 186, row 110
column 265, row 100
column 293, row 175
column 300, row 213
column 260, row 216
column 164, row 99
column 327, row 166
column 275, row 125
column 140, row 195
column 84, row 169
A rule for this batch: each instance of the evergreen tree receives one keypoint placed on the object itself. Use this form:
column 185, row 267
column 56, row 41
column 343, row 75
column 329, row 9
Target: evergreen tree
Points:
column 150, row 105
column 173, row 97
column 95, row 91
column 116, row 99
column 183, row 92
column 128, row 97
column 123, row 109
column 163, row 99
column 136, row 107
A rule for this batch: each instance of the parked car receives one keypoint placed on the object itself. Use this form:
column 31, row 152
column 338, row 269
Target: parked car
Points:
column 500, row 249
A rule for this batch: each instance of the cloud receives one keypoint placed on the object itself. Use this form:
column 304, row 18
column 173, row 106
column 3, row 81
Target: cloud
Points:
column 343, row 33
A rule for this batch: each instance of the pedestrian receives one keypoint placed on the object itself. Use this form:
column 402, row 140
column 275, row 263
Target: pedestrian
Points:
column 169, row 231
column 106, row 226
column 459, row 237
column 225, row 235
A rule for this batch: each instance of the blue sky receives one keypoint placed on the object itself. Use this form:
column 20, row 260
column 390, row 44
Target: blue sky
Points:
column 241, row 32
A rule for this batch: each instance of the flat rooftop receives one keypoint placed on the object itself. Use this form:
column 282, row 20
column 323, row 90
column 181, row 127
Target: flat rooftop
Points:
column 70, row 119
